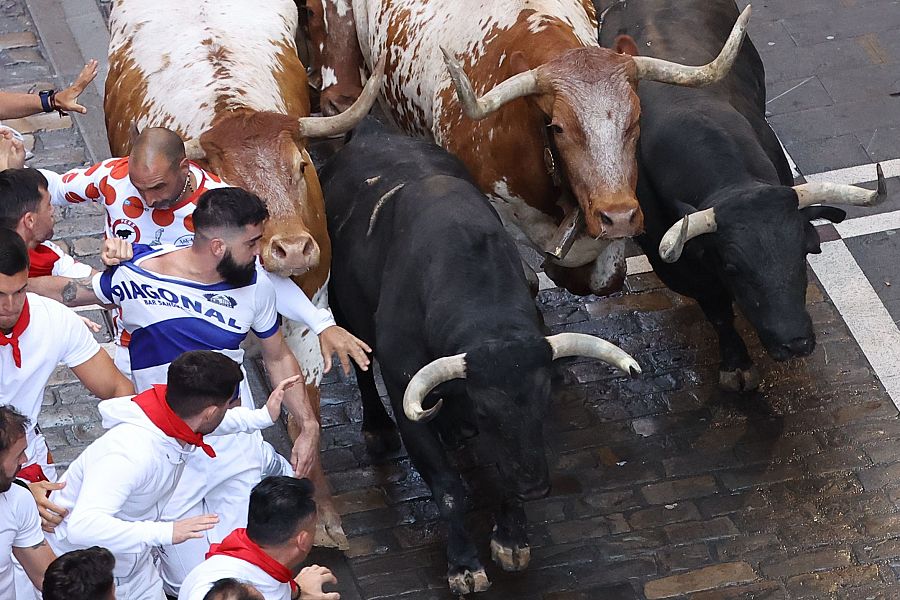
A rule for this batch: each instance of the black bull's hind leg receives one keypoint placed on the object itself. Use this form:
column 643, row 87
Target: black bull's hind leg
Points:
column 509, row 541
column 736, row 371
column 465, row 573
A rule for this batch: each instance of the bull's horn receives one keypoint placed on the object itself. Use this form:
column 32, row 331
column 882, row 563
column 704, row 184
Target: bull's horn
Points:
column 686, row 228
column 581, row 344
column 429, row 377
column 837, row 193
column 321, row 127
column 193, row 150
column 517, row 86
column 654, row 69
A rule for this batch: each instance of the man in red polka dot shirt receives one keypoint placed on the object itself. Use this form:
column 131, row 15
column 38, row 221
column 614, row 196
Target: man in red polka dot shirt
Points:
column 149, row 196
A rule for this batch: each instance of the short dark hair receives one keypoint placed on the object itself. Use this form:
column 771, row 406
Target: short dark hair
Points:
column 80, row 575
column 201, row 378
column 232, row 589
column 279, row 506
column 12, row 427
column 20, row 193
column 13, row 253
column 229, row 208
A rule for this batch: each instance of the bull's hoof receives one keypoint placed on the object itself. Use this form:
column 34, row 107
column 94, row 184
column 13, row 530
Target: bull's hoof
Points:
column 739, row 380
column 380, row 442
column 468, row 582
column 515, row 558
column 330, row 532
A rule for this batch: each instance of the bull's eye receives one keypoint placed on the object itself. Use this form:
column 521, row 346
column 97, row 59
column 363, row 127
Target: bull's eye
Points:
column 730, row 268
column 555, row 129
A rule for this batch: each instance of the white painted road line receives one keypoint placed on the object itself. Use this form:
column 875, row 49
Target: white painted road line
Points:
column 858, row 174
column 862, row 310
column 869, row 224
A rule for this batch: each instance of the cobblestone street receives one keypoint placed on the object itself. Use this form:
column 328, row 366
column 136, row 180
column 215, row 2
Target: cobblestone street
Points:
column 663, row 487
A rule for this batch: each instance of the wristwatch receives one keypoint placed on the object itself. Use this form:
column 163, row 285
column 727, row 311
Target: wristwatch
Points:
column 47, row 103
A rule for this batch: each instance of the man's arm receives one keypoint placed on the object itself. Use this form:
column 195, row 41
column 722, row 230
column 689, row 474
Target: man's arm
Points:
column 35, row 560
column 101, row 377
column 16, row 105
column 281, row 364
column 293, row 304
column 71, row 292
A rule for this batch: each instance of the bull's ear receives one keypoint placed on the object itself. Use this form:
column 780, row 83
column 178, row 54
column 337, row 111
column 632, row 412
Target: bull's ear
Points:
column 811, row 213
column 133, row 133
column 829, row 213
column 625, row 44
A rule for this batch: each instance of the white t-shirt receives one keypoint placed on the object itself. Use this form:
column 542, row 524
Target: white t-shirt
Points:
column 198, row 581
column 48, row 259
column 20, row 527
column 55, row 334
column 167, row 316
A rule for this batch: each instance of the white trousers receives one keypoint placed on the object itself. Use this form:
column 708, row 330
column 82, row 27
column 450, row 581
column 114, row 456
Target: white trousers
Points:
column 142, row 583
column 219, row 486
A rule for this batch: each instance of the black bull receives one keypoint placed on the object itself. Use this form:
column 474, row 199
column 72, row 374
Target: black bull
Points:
column 424, row 269
column 711, row 148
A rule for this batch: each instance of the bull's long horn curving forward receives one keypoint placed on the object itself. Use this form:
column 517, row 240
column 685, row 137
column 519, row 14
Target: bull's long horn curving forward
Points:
column 517, row 86
column 837, row 193
column 429, row 377
column 654, row 69
column 686, row 228
column 582, row 344
column 320, row 127
column 193, row 150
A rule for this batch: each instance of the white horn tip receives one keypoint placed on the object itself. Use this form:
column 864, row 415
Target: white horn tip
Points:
column 634, row 370
column 882, row 184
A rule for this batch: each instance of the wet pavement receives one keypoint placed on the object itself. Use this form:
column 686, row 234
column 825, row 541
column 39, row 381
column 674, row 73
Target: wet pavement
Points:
column 664, row 487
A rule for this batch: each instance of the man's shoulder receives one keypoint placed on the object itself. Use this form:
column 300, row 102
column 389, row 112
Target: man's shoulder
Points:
column 20, row 501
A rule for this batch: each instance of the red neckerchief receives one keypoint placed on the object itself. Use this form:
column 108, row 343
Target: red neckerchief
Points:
column 153, row 403
column 17, row 330
column 238, row 545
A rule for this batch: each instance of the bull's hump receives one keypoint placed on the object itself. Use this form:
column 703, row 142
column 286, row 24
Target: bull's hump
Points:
column 201, row 56
column 414, row 31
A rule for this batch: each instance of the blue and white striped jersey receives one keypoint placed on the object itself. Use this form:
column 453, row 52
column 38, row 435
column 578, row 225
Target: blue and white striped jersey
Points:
column 167, row 316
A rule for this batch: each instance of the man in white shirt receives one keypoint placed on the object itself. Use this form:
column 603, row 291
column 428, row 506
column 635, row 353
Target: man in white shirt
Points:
column 116, row 489
column 26, row 209
column 269, row 553
column 20, row 526
column 210, row 295
column 36, row 335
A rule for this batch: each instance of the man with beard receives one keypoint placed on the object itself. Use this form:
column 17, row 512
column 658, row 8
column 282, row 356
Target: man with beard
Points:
column 117, row 488
column 20, row 526
column 209, row 296
column 150, row 197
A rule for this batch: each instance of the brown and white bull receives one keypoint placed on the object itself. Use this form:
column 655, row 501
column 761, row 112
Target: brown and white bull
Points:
column 334, row 53
column 556, row 124
column 225, row 75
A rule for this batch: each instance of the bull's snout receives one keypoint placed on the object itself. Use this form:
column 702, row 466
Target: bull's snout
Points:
column 292, row 253
column 611, row 224
column 797, row 347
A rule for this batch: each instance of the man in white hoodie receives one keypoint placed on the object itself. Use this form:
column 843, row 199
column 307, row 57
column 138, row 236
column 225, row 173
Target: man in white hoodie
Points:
column 116, row 489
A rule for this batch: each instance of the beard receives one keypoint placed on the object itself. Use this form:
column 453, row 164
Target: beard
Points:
column 235, row 274
column 6, row 482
